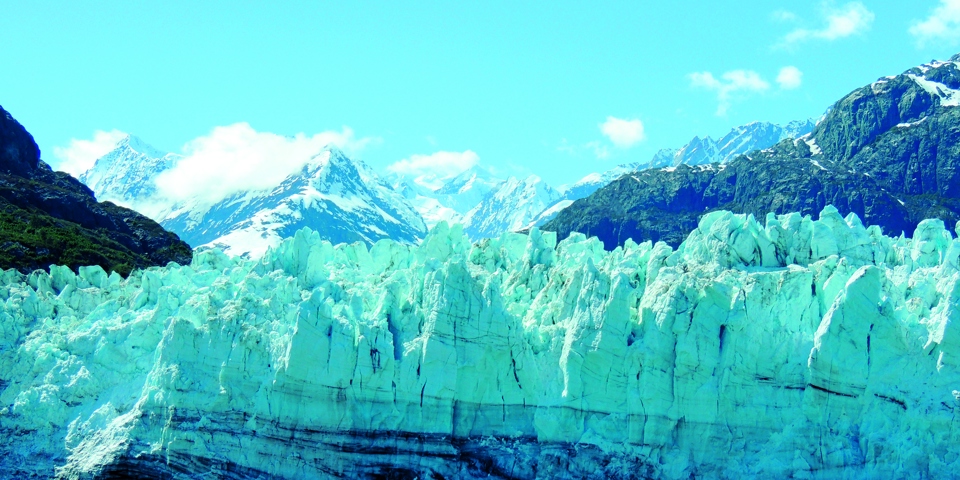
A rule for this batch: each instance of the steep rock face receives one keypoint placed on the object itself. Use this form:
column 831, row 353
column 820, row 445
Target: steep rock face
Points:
column 49, row 217
column 19, row 154
column 794, row 348
column 889, row 152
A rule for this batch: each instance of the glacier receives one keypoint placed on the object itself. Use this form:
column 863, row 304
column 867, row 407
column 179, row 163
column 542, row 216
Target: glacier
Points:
column 790, row 347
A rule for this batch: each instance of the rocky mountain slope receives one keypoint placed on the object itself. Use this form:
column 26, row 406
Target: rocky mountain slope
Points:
column 49, row 217
column 889, row 152
column 786, row 349
column 740, row 140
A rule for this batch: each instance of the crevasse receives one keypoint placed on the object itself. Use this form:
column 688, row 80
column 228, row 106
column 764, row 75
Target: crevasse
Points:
column 817, row 349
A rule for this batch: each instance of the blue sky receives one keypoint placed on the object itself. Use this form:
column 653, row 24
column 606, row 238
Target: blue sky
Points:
column 558, row 89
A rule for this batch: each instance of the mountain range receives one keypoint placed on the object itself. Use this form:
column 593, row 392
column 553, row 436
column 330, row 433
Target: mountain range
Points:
column 888, row 152
column 344, row 200
column 754, row 343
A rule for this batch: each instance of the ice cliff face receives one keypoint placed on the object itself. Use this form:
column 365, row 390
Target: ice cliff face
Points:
column 811, row 349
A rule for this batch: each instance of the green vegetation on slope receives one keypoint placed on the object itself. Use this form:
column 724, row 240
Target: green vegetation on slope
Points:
column 49, row 217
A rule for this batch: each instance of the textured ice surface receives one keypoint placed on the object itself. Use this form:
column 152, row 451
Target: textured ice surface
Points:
column 817, row 349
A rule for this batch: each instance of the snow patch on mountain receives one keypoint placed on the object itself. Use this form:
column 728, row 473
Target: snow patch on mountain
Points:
column 949, row 97
column 126, row 175
column 740, row 140
column 509, row 207
column 341, row 198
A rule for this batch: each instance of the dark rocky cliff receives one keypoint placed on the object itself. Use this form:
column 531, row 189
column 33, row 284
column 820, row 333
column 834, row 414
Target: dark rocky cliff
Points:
column 889, row 152
column 49, row 217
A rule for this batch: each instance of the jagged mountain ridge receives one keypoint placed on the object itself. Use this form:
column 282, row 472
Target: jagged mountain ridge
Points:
column 453, row 199
column 339, row 197
column 49, row 217
column 126, row 174
column 740, row 140
column 509, row 207
column 249, row 222
column 888, row 152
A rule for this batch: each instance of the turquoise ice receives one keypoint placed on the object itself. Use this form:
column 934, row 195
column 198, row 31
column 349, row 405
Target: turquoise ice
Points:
column 818, row 349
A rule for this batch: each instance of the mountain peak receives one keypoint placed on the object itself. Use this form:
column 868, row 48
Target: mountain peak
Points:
column 135, row 143
column 334, row 150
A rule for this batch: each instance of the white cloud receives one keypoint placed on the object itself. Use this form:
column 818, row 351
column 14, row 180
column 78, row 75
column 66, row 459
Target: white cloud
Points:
column 80, row 155
column 790, row 77
column 851, row 19
column 622, row 132
column 943, row 24
column 431, row 170
column 236, row 157
column 729, row 85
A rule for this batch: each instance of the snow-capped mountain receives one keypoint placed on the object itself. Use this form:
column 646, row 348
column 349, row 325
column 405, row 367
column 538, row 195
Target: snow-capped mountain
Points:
column 591, row 183
column 456, row 195
column 464, row 191
column 740, row 140
column 126, row 174
column 346, row 201
column 340, row 198
column 509, row 207
column 698, row 151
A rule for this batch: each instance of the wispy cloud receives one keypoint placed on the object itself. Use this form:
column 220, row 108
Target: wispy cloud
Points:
column 236, row 157
column 730, row 86
column 624, row 133
column 942, row 25
column 850, row 19
column 79, row 155
column 783, row 16
column 430, row 170
column 789, row 78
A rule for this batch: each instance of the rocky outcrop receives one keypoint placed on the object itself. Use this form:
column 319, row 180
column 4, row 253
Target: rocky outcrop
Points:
column 19, row 154
column 889, row 152
column 786, row 349
column 49, row 217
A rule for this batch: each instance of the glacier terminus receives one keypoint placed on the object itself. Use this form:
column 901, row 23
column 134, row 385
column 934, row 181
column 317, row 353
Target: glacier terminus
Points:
column 788, row 347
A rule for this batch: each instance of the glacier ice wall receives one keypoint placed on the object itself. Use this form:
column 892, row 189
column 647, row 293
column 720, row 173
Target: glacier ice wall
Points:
column 817, row 349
